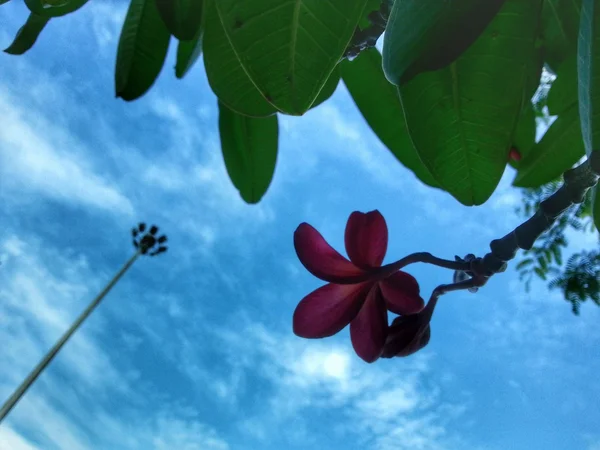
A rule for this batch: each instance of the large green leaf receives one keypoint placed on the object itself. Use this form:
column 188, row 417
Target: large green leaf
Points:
column 524, row 136
column 27, row 34
column 380, row 105
column 560, row 148
column 226, row 76
column 560, row 24
column 289, row 48
column 56, row 8
column 249, row 148
column 424, row 35
column 142, row 50
column 188, row 53
column 462, row 118
column 563, row 92
column 588, row 68
column 596, row 206
column 329, row 88
column 183, row 18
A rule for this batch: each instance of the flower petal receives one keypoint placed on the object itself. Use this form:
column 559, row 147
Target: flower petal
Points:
column 368, row 330
column 366, row 238
column 401, row 293
column 407, row 335
column 320, row 258
column 327, row 310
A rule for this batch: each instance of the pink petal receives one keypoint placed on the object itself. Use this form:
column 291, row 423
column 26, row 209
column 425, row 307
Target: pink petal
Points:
column 401, row 293
column 327, row 310
column 366, row 238
column 368, row 330
column 320, row 258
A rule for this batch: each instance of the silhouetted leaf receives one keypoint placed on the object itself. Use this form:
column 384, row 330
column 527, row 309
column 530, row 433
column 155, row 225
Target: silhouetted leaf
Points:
column 563, row 93
column 523, row 264
column 560, row 148
column 226, row 76
column 249, row 148
column 27, row 35
column 188, row 53
column 183, row 18
column 44, row 8
column 424, row 35
column 588, row 68
column 289, row 48
column 462, row 118
column 524, row 136
column 329, row 88
column 560, row 25
column 142, row 50
column 380, row 105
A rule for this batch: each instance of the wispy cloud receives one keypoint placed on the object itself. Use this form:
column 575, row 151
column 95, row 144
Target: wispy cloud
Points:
column 38, row 158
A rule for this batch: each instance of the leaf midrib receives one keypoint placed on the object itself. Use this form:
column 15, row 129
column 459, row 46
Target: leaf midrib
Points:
column 457, row 106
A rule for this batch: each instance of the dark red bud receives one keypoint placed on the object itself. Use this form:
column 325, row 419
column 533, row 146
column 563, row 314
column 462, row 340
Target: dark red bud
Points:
column 514, row 154
column 409, row 334
column 406, row 335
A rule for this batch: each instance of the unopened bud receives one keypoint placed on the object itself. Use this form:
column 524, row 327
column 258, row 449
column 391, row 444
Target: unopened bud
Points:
column 409, row 334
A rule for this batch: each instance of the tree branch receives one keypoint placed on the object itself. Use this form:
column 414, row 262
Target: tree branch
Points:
column 367, row 38
column 576, row 183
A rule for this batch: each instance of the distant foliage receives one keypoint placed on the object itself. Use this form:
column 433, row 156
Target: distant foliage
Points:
column 578, row 279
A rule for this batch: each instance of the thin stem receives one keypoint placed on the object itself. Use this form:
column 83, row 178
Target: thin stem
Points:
column 390, row 269
column 26, row 384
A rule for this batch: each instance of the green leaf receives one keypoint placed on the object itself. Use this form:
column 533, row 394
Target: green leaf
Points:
column 424, row 35
column 523, row 264
column 596, row 206
column 563, row 92
column 560, row 25
column 329, row 88
column 372, row 5
column 380, row 105
column 188, row 53
column 524, row 136
column 57, row 8
column 588, row 68
column 142, row 50
column 556, row 251
column 462, row 118
column 27, row 35
column 183, row 18
column 560, row 148
column 540, row 273
column 226, row 76
column 249, row 148
column 289, row 48
column 2, row 2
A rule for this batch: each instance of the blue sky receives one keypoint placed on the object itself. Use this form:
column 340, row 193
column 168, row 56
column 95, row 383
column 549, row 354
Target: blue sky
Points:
column 194, row 350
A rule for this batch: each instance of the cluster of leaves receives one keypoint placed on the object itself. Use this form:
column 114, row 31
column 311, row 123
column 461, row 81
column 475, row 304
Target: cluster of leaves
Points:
column 579, row 278
column 449, row 96
column 459, row 83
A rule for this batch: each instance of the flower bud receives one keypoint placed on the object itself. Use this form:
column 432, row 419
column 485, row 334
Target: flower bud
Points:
column 406, row 335
column 409, row 334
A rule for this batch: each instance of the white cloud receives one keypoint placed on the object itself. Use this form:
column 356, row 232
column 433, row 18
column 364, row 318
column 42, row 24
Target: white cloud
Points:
column 38, row 157
column 43, row 292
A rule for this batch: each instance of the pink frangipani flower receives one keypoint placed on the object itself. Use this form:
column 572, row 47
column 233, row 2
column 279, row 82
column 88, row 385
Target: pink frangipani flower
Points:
column 360, row 290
